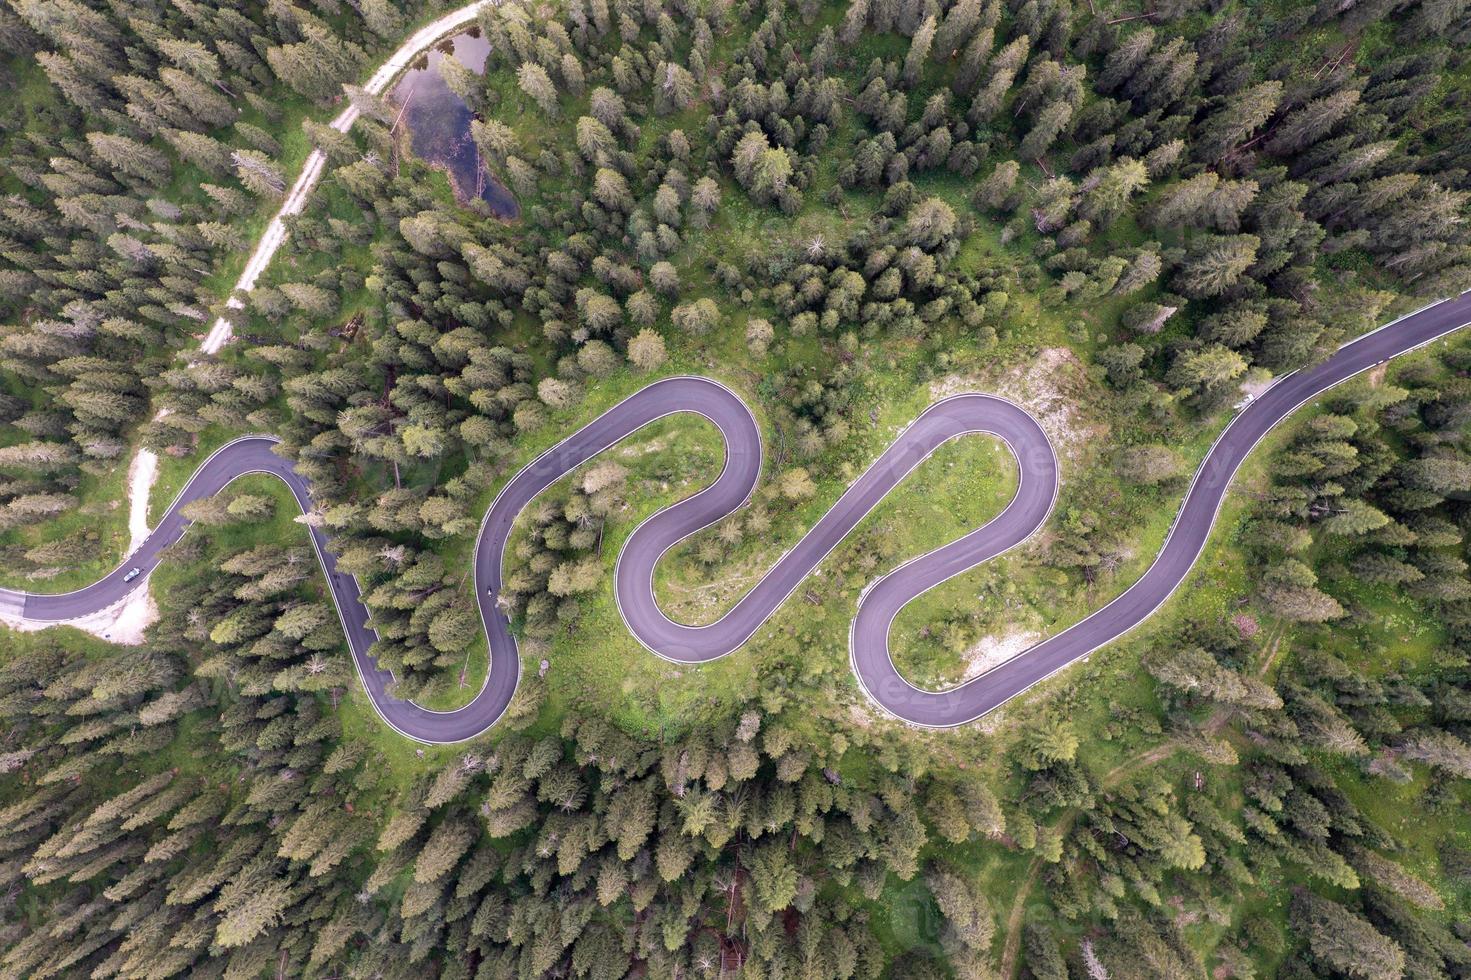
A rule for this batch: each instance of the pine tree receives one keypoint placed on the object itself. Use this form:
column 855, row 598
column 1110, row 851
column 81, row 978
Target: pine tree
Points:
column 995, row 192
column 1241, row 114
column 611, row 190
column 919, row 50
column 1125, row 60
column 258, row 173
column 1205, row 370
column 930, row 222
column 1111, row 191
column 251, row 902
column 1047, row 743
column 773, row 877
column 677, row 87
column 855, row 20
column 630, row 817
column 536, row 83
column 1343, row 941
column 1442, row 475
column 959, row 24
column 1235, row 326
column 204, row 103
column 1051, row 122
column 1439, row 749
column 1305, row 126
column 1353, row 518
column 1215, row 263
column 572, row 75
column 759, row 334
column 205, row 152
column 1043, row 958
column 382, row 18
column 698, row 318
column 969, row 920
column 1289, row 590
column 130, row 156
column 448, row 842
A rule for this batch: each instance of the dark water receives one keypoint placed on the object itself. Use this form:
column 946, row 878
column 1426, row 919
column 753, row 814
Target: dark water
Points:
column 438, row 122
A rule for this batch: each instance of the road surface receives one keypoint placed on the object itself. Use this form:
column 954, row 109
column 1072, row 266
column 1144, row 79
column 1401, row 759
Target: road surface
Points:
column 880, row 603
column 274, row 236
column 316, row 161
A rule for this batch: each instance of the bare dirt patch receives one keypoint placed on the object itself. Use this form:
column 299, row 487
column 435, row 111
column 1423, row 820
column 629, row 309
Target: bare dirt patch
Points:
column 996, row 649
column 699, row 603
column 1052, row 386
column 142, row 474
column 125, row 622
column 1253, row 387
column 643, row 448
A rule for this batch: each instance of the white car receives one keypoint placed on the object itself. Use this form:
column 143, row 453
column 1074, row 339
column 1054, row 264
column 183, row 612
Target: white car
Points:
column 132, row 574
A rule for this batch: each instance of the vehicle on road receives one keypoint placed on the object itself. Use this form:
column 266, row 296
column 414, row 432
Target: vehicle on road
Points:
column 868, row 639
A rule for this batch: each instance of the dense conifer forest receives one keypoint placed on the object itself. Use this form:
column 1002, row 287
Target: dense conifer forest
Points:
column 1127, row 214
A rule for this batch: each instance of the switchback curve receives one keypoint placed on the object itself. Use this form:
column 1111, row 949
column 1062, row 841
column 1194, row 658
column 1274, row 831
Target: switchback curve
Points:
column 879, row 604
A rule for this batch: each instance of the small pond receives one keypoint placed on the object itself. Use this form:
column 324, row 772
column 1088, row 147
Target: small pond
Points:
column 438, row 122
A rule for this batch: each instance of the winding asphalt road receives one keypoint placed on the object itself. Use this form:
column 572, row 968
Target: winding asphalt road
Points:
column 316, row 161
column 881, row 601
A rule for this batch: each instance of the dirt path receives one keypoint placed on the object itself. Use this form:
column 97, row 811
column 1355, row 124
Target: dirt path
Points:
column 1213, row 725
column 311, row 172
column 127, row 623
column 1112, row 778
column 1273, row 648
column 1014, row 921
